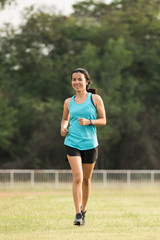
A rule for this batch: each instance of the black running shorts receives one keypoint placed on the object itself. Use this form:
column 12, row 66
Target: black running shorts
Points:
column 87, row 156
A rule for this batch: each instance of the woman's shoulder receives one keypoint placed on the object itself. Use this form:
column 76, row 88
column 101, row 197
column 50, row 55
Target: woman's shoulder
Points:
column 67, row 102
column 96, row 99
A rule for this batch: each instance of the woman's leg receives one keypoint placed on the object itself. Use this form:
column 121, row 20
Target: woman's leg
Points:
column 86, row 185
column 76, row 166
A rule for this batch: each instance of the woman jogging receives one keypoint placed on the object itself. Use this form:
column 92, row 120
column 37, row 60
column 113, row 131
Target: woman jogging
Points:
column 81, row 114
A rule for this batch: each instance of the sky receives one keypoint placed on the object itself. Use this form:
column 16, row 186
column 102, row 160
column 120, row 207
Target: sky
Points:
column 13, row 13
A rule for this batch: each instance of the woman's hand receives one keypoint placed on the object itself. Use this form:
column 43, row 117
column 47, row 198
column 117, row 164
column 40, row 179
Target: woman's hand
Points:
column 84, row 121
column 64, row 132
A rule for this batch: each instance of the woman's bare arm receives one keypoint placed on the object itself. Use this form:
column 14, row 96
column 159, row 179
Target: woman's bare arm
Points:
column 65, row 118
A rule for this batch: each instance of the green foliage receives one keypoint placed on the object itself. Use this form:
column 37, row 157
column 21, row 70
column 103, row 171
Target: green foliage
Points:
column 3, row 3
column 7, row 122
column 119, row 45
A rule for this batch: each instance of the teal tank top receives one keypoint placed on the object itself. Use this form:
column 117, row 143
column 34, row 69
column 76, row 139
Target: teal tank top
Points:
column 82, row 137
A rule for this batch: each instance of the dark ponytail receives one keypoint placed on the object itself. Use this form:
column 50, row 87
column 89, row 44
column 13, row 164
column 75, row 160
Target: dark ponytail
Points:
column 88, row 79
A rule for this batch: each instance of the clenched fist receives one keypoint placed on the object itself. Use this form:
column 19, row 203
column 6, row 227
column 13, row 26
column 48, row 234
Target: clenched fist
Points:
column 64, row 132
column 84, row 121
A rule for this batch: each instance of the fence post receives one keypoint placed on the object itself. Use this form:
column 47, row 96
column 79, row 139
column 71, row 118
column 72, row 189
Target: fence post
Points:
column 11, row 178
column 104, row 179
column 56, row 178
column 128, row 178
column 152, row 177
column 32, row 178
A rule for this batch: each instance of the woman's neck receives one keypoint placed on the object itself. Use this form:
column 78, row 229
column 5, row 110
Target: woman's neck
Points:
column 81, row 97
column 81, row 94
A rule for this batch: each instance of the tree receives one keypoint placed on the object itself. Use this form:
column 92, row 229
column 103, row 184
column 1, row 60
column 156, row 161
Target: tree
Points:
column 5, row 2
column 118, row 43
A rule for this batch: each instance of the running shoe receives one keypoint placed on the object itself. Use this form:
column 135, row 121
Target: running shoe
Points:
column 83, row 217
column 78, row 219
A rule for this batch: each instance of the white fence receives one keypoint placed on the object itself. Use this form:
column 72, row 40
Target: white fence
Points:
column 56, row 177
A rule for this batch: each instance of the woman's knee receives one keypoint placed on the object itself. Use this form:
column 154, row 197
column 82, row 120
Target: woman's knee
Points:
column 86, row 181
column 78, row 178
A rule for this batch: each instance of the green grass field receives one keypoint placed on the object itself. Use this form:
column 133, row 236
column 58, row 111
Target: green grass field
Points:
column 114, row 213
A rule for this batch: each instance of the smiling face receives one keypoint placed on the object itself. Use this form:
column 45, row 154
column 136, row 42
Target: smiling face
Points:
column 79, row 82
